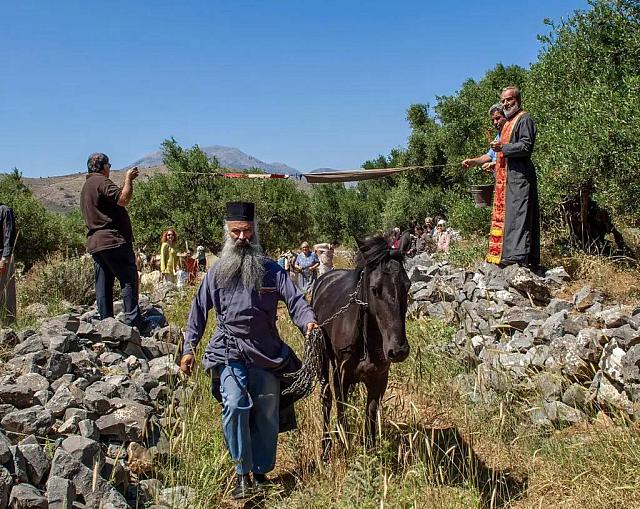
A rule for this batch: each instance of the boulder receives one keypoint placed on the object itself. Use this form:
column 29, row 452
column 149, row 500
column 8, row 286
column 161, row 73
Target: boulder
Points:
column 626, row 336
column 178, row 496
column 20, row 396
column 561, row 414
column 26, row 496
column 35, row 420
column 6, row 483
column 576, row 396
column 111, row 330
column 586, row 298
column 88, row 429
column 518, row 318
column 86, row 451
column 37, row 463
column 557, row 275
column 64, row 465
column 65, row 397
column 525, row 281
column 32, row 344
column 34, row 381
column 5, row 452
column 556, row 305
column 126, row 423
column 61, row 493
column 631, row 365
column 611, row 362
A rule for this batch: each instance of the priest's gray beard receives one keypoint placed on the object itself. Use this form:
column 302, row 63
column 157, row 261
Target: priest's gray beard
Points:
column 512, row 111
column 243, row 260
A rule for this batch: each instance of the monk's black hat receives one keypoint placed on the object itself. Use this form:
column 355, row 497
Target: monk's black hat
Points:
column 240, row 211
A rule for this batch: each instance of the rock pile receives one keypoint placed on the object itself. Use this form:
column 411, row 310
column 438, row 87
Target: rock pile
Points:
column 573, row 355
column 83, row 406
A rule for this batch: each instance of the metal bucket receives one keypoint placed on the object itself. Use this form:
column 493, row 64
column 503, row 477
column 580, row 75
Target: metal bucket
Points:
column 482, row 195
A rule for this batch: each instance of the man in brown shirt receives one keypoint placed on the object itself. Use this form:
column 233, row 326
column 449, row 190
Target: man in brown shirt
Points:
column 110, row 238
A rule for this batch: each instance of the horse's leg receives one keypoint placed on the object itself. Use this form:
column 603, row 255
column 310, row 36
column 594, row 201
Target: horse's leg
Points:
column 375, row 392
column 327, row 401
column 341, row 384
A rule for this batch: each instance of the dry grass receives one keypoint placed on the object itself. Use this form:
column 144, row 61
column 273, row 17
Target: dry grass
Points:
column 436, row 448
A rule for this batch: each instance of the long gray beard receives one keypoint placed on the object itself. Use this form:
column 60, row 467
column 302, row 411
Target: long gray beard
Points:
column 511, row 112
column 246, row 262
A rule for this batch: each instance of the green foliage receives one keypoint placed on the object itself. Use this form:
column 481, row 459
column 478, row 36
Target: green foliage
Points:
column 190, row 199
column 467, row 219
column 40, row 232
column 59, row 278
column 585, row 95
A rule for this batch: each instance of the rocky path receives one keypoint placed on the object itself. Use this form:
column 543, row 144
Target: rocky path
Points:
column 83, row 406
column 578, row 354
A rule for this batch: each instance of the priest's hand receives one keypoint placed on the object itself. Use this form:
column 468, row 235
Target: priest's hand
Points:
column 489, row 167
column 496, row 146
column 311, row 326
column 187, row 362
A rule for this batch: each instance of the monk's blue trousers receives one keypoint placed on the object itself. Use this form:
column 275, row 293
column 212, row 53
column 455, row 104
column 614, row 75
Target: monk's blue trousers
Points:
column 250, row 410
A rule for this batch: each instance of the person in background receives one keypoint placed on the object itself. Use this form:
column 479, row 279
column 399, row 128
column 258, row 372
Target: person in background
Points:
column 325, row 252
column 420, row 240
column 306, row 265
column 442, row 237
column 7, row 266
column 191, row 266
column 169, row 256
column 428, row 225
column 201, row 258
column 488, row 161
column 395, row 238
column 110, row 239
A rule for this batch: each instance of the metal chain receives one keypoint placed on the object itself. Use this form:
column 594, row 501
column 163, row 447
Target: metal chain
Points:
column 314, row 352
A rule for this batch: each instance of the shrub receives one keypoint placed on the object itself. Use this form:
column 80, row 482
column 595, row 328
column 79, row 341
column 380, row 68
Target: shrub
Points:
column 467, row 219
column 59, row 278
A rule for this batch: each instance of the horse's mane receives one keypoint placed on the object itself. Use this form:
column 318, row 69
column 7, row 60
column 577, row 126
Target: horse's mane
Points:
column 374, row 251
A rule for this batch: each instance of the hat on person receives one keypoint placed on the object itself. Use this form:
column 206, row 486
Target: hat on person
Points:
column 441, row 222
column 240, row 211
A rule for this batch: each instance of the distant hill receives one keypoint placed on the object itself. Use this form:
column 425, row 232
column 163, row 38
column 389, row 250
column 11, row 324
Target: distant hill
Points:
column 228, row 157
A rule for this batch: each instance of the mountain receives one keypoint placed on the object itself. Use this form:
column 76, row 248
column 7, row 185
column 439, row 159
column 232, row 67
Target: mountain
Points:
column 228, row 157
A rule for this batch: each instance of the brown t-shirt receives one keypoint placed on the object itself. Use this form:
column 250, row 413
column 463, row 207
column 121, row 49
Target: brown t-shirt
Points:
column 108, row 223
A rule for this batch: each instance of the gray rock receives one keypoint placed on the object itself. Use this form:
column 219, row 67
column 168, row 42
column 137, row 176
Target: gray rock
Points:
column 126, row 423
column 146, row 381
column 116, row 472
column 614, row 317
column 96, row 402
column 165, row 369
column 87, row 331
column 61, row 493
column 111, row 330
column 631, row 365
column 88, row 429
column 6, row 409
column 132, row 391
column 169, row 334
column 66, row 379
column 564, row 356
column 58, row 365
column 576, row 396
column 548, row 385
column 557, row 275
column 60, row 343
column 528, row 283
column 19, row 470
column 516, row 363
column 519, row 318
column 66, row 466
column 179, row 496
column 81, row 383
column 6, row 483
column 150, row 489
column 68, row 321
column 590, row 344
column 561, row 414
column 5, row 452
column 70, row 426
column 32, row 344
column 110, row 358
column 8, row 338
column 586, row 298
column 553, row 327
column 37, row 463
column 29, row 440
column 76, row 412
column 85, row 450
column 556, row 305
column 25, row 496
column 611, row 362
column 626, row 336
column 539, row 417
column 608, row 394
column 65, row 397
column 20, row 396
column 153, row 348
column 33, row 380
column 42, row 397
column 34, row 420
column 520, row 342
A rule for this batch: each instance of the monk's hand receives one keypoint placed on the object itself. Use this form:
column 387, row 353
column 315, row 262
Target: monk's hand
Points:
column 311, row 326
column 489, row 167
column 186, row 363
column 496, row 146
column 466, row 163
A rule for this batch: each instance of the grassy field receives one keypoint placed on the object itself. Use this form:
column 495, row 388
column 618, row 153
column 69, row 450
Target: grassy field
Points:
column 437, row 447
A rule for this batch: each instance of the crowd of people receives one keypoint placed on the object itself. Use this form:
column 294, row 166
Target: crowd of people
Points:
column 431, row 237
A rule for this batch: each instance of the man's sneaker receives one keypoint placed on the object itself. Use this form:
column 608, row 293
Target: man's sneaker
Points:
column 243, row 487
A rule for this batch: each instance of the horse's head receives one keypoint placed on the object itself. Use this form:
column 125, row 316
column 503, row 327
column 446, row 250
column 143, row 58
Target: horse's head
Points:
column 387, row 294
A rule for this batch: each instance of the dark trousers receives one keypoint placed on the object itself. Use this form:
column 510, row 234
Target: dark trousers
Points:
column 117, row 263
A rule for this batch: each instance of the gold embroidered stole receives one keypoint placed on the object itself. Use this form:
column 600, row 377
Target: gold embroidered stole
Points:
column 496, row 234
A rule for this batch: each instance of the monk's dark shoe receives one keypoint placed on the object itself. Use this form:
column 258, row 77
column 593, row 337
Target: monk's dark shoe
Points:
column 260, row 482
column 243, row 487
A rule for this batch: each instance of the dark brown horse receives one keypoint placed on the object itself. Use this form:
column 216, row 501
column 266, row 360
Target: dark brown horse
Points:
column 369, row 335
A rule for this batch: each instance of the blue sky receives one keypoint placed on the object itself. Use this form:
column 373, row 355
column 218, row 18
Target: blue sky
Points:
column 310, row 84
